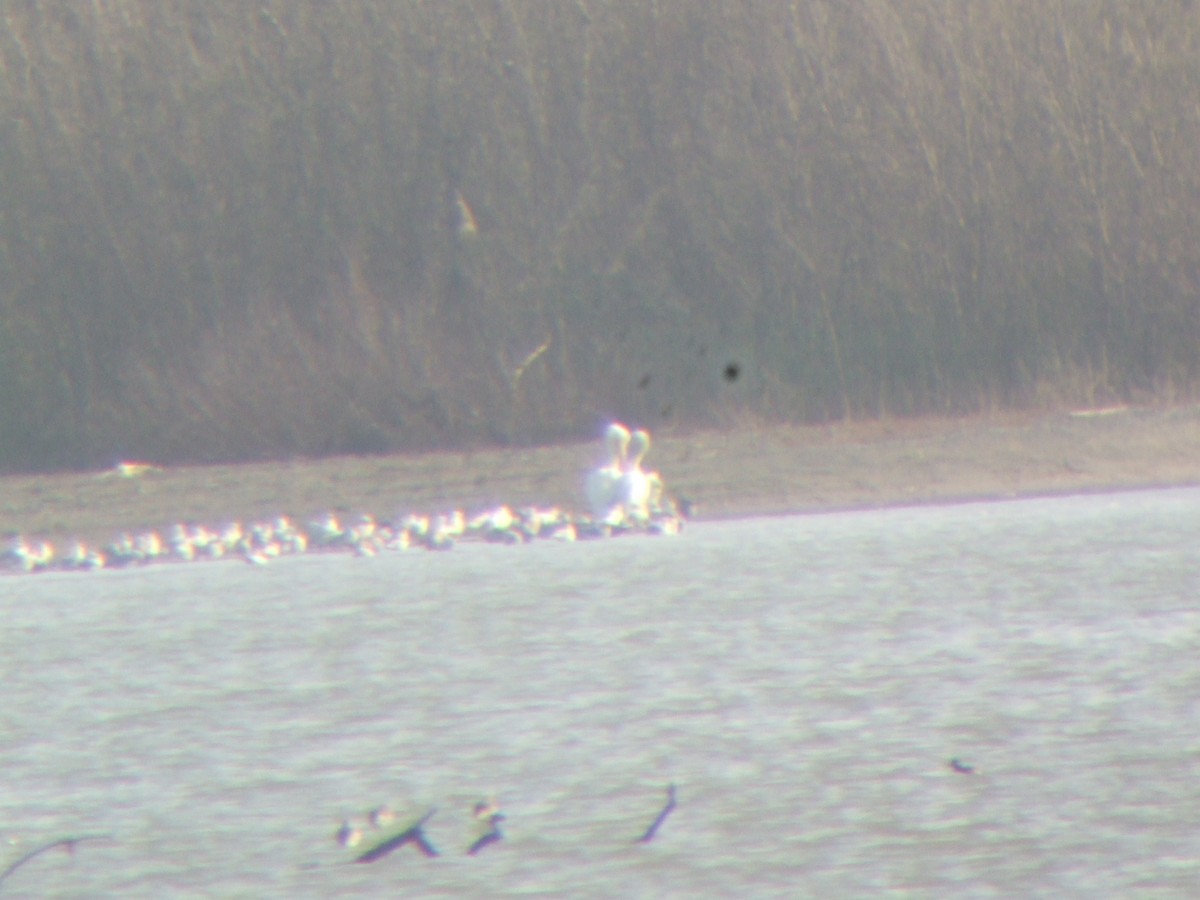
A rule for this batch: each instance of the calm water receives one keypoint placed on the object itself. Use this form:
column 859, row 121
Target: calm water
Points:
column 803, row 680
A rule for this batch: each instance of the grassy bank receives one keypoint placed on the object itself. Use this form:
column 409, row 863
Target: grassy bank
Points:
column 248, row 230
column 746, row 471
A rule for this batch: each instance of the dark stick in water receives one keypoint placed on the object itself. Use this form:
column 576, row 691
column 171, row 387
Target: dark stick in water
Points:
column 414, row 834
column 493, row 835
column 662, row 817
column 69, row 843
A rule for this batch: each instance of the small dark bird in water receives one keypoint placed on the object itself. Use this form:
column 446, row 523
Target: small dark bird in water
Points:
column 487, row 809
column 381, row 816
column 69, row 844
column 414, row 834
column 493, row 834
column 961, row 767
column 348, row 835
column 662, row 817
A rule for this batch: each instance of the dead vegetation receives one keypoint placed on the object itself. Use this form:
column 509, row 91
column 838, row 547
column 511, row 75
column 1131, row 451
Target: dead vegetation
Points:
column 240, row 230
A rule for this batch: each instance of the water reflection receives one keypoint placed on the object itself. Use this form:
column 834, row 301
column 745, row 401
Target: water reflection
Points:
column 804, row 681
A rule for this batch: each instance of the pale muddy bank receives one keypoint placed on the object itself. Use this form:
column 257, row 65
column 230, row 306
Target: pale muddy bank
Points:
column 748, row 471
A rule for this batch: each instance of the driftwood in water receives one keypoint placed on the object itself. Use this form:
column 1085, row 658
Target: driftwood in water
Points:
column 662, row 817
column 414, row 834
column 490, row 837
column 68, row 843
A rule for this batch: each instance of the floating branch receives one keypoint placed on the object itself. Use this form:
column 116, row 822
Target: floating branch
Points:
column 662, row 817
column 67, row 843
column 490, row 837
column 414, row 834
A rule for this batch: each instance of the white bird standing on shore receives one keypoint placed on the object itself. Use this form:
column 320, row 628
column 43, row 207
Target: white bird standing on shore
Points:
column 604, row 484
column 636, row 485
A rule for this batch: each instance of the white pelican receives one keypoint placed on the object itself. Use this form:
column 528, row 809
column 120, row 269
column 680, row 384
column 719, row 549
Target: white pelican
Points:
column 289, row 538
column 256, row 557
column 604, row 484
column 148, row 546
column 417, row 527
column 75, row 556
column 362, row 530
column 29, row 557
column 399, row 539
column 565, row 532
column 500, row 526
column 325, row 531
column 180, row 543
column 123, row 550
column 636, row 486
column 130, row 469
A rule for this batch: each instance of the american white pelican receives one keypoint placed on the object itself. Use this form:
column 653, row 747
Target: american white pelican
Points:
column 180, row 543
column 80, row 556
column 121, row 552
column 604, row 484
column 417, row 527
column 564, row 532
column 547, row 522
column 74, row 557
column 232, row 536
column 130, row 469
column 363, row 529
column 637, row 486
column 453, row 524
column 398, row 539
column 293, row 540
column 29, row 557
column 325, row 531
column 665, row 524
column 256, row 557
column 440, row 532
column 43, row 554
column 148, row 546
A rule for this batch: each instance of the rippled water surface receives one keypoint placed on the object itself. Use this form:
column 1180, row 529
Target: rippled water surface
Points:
column 803, row 681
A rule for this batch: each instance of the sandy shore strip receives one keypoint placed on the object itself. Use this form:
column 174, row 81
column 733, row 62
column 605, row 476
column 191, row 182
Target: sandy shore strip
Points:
column 746, row 471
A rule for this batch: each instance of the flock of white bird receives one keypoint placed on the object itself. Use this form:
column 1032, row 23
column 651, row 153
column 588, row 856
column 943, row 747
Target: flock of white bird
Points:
column 622, row 497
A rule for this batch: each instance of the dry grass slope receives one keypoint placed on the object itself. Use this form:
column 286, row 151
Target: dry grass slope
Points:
column 239, row 231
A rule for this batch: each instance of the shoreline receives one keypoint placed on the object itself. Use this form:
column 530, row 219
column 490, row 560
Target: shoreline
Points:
column 745, row 471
